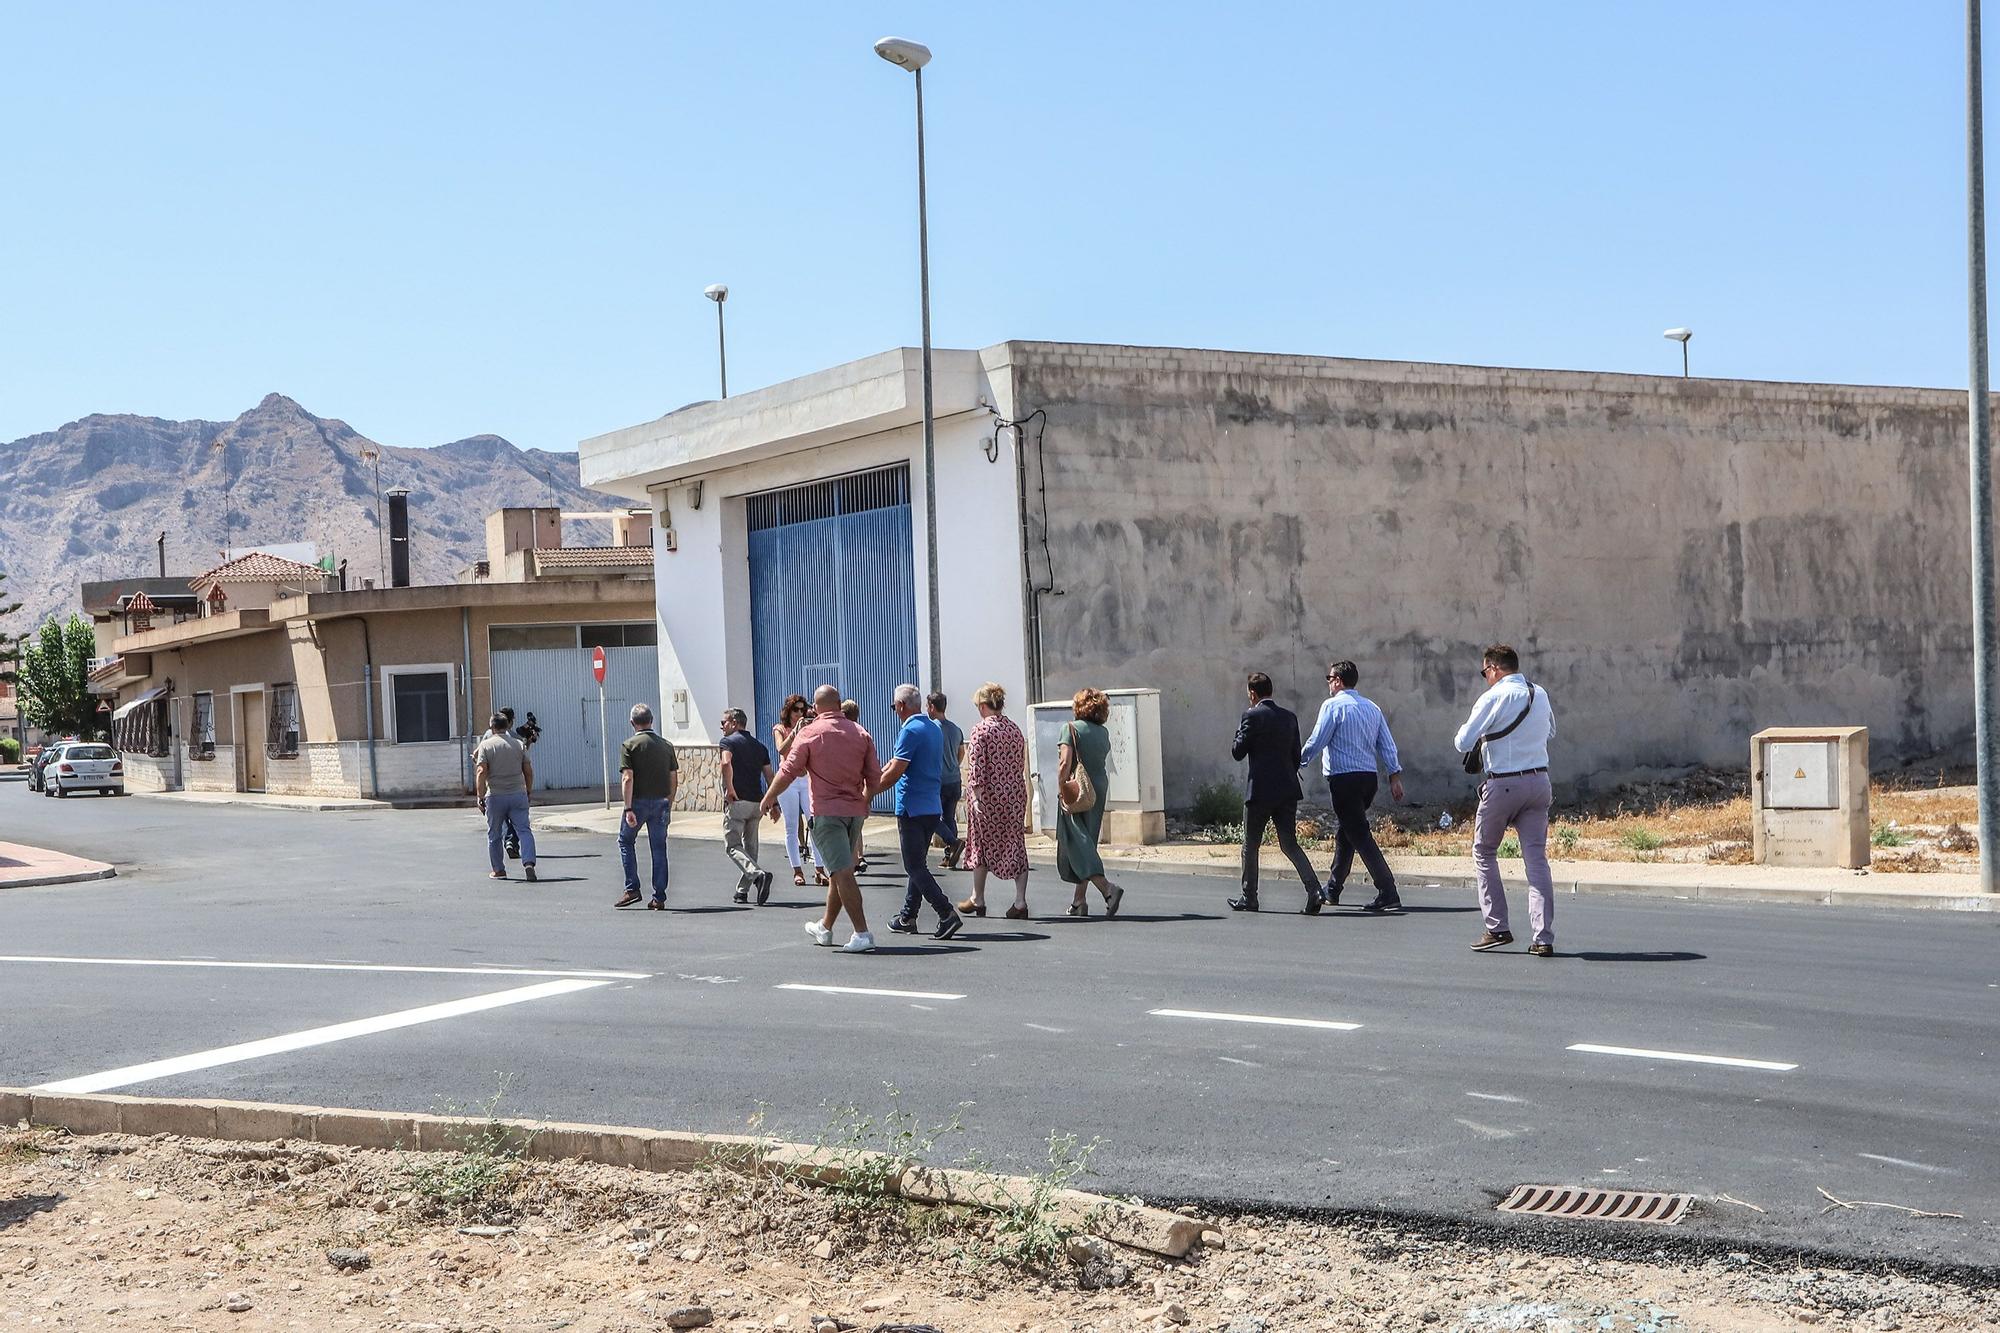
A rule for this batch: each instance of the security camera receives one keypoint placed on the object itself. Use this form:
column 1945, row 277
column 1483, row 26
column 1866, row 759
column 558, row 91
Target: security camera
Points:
column 716, row 291
column 912, row 56
column 1678, row 335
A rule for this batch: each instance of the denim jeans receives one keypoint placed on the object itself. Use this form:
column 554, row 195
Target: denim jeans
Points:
column 508, row 811
column 914, row 832
column 652, row 816
column 950, row 793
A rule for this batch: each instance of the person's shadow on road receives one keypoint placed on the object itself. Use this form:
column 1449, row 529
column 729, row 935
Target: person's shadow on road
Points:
column 1636, row 956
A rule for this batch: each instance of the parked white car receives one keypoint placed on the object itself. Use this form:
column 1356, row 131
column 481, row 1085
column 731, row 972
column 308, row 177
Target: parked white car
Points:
column 84, row 766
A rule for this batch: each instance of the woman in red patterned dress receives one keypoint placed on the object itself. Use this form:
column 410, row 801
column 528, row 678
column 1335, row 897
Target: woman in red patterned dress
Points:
column 996, row 802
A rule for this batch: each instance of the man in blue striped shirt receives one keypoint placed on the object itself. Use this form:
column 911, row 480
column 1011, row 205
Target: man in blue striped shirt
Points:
column 1352, row 740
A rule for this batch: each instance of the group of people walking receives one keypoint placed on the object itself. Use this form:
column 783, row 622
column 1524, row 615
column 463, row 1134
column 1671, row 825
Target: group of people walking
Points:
column 821, row 775
column 1505, row 740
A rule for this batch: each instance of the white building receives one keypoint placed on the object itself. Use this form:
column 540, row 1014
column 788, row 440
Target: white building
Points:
column 791, row 549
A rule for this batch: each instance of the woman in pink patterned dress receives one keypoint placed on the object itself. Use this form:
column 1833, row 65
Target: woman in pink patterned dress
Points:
column 996, row 800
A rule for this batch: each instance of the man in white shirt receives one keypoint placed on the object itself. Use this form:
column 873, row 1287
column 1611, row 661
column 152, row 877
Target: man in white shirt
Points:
column 1514, row 720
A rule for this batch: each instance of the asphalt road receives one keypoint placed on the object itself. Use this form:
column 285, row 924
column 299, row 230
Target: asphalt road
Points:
column 1458, row 1083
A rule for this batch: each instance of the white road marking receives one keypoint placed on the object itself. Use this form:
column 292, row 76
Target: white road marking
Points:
column 1232, row 1060
column 1904, row 1161
column 362, row 1027
column 1493, row 1097
column 1486, row 1131
column 330, row 967
column 713, row 981
column 1643, row 1054
column 1043, row 1027
column 870, row 990
column 927, row 1008
column 1255, row 1018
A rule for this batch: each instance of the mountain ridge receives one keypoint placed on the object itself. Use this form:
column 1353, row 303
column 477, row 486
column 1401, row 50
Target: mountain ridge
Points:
column 88, row 499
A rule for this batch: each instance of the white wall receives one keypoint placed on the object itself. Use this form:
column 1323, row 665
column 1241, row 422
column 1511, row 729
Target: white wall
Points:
column 702, row 588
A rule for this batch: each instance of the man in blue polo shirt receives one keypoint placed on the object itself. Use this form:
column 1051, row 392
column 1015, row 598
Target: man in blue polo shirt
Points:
column 917, row 772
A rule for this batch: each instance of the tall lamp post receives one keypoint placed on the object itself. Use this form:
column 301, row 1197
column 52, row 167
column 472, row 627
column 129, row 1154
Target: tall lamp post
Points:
column 1985, row 697
column 1681, row 336
column 913, row 56
column 373, row 456
column 718, row 293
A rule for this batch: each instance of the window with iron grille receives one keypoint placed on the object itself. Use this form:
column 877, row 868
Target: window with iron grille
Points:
column 201, row 740
column 281, row 740
column 422, row 703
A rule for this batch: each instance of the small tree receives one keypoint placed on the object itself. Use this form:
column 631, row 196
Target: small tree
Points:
column 55, row 677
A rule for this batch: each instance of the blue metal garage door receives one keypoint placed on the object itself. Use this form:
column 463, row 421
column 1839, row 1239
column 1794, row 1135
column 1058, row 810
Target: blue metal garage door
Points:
column 831, row 596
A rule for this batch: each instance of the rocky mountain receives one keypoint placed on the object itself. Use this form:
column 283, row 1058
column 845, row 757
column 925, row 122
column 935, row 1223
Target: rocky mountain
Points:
column 89, row 501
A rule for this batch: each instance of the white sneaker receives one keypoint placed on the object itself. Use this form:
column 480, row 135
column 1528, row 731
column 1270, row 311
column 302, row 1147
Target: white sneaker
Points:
column 863, row 942
column 820, row 934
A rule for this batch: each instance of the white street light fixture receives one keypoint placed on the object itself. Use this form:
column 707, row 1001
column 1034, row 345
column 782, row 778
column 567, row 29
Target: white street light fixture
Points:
column 913, row 56
column 718, row 293
column 1681, row 336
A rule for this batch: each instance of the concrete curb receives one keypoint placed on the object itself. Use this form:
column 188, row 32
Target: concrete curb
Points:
column 662, row 1150
column 73, row 877
column 1919, row 899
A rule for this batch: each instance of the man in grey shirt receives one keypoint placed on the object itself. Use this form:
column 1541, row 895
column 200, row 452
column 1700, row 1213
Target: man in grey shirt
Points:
column 502, row 777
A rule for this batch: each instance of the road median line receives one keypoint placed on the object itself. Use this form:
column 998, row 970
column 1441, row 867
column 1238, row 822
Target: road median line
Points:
column 660, row 1150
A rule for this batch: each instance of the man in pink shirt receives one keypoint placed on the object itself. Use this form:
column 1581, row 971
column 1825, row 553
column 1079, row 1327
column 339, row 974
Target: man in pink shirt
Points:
column 838, row 759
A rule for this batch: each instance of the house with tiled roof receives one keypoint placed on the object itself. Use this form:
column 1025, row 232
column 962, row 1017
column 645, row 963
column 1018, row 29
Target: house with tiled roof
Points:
column 286, row 680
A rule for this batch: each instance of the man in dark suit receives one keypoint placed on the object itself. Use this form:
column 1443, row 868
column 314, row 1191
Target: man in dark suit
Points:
column 1268, row 736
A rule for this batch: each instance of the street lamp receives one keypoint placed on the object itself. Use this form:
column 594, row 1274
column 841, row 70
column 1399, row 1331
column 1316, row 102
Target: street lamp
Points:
column 1681, row 336
column 1979, row 448
column 913, row 56
column 718, row 293
column 371, row 455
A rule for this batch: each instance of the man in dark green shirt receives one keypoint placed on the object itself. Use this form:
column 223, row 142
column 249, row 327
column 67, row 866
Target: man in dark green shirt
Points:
column 648, row 776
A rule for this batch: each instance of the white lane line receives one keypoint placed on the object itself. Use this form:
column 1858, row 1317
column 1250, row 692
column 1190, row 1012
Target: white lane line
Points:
column 1904, row 1161
column 1043, row 1027
column 1327, row 1023
column 361, row 1027
column 1643, row 1054
column 1232, row 1060
column 1493, row 1097
column 870, row 990
column 1486, row 1131
column 330, row 967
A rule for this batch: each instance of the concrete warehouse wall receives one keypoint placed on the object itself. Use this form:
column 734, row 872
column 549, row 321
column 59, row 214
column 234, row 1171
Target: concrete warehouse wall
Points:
column 1679, row 562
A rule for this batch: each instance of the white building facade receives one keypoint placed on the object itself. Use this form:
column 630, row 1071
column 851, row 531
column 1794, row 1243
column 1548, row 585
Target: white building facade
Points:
column 790, row 540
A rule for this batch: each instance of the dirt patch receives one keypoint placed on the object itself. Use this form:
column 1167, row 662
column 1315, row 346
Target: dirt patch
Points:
column 113, row 1232
column 1702, row 817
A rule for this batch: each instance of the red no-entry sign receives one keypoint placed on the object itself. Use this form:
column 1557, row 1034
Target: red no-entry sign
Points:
column 597, row 664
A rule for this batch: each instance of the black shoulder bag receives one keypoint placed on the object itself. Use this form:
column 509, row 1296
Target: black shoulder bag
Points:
column 1475, row 758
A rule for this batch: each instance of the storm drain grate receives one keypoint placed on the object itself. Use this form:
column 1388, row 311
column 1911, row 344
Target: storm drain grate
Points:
column 1598, row 1205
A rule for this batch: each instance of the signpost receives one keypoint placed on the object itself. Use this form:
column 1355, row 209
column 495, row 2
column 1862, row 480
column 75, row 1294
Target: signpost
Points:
column 603, row 736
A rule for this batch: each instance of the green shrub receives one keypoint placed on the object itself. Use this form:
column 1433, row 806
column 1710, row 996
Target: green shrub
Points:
column 1566, row 839
column 10, row 750
column 1887, row 835
column 1643, row 840
column 1510, row 848
column 1217, row 803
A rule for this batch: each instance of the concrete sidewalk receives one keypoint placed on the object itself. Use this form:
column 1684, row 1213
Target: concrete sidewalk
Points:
column 23, row 866
column 1704, row 883
column 266, row 800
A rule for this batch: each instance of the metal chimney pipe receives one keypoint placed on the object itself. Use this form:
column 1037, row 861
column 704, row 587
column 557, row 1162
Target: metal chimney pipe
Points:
column 163, row 555
column 399, row 537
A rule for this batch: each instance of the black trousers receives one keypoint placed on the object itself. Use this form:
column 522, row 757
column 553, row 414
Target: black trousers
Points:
column 1351, row 794
column 1286, row 816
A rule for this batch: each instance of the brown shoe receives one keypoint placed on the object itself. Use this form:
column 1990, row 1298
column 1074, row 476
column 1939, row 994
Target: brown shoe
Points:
column 1541, row 951
column 971, row 908
column 1493, row 939
column 631, row 896
column 1016, row 914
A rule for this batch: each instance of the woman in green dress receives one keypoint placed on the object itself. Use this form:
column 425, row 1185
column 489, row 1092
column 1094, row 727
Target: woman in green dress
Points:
column 1085, row 741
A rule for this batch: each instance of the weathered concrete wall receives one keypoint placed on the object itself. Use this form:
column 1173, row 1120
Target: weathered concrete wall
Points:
column 1680, row 562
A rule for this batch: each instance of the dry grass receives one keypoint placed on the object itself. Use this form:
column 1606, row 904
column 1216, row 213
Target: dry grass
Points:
column 1706, row 818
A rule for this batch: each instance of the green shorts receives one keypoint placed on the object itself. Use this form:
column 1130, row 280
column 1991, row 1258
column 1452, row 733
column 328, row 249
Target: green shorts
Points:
column 834, row 838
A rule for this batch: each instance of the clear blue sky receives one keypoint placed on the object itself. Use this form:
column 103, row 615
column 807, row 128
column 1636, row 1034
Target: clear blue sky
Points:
column 435, row 220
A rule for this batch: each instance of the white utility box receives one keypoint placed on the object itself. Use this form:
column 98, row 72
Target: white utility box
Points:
column 1135, row 808
column 1809, row 796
